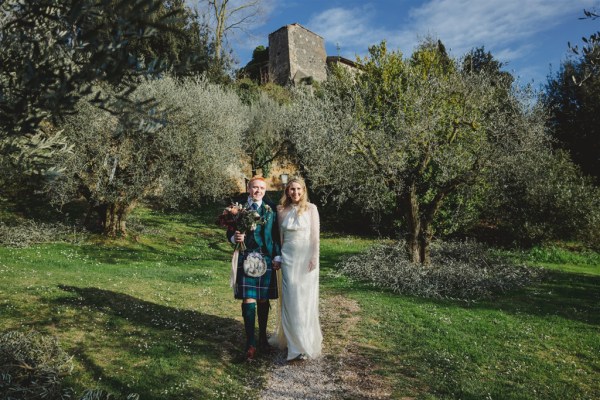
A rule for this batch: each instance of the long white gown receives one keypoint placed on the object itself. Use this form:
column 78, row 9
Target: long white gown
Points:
column 298, row 323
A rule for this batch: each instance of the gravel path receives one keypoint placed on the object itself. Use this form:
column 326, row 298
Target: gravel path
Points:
column 300, row 380
column 341, row 373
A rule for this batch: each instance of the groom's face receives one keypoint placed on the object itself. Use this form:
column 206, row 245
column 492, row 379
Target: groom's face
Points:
column 257, row 189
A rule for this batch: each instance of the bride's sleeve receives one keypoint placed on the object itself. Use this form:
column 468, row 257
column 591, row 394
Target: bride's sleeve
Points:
column 315, row 240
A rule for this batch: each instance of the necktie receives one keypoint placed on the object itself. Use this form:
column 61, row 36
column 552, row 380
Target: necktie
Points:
column 254, row 206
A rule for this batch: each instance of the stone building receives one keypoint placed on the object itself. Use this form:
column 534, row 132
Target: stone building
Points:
column 344, row 63
column 296, row 54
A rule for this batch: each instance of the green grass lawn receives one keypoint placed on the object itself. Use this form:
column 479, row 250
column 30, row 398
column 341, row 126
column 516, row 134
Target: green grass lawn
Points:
column 542, row 342
column 154, row 315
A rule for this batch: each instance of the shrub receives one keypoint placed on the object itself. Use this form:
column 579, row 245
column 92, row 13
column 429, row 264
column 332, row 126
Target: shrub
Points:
column 459, row 270
column 29, row 232
column 546, row 199
column 32, row 366
column 99, row 394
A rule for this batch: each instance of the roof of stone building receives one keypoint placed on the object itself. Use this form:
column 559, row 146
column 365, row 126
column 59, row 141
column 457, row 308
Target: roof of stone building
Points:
column 296, row 24
column 343, row 60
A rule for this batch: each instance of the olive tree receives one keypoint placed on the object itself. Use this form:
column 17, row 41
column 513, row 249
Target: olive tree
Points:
column 590, row 51
column 403, row 136
column 53, row 52
column 264, row 140
column 204, row 124
column 182, row 147
column 573, row 97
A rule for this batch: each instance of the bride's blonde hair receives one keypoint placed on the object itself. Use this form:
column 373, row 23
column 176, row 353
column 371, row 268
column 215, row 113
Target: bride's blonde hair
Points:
column 286, row 199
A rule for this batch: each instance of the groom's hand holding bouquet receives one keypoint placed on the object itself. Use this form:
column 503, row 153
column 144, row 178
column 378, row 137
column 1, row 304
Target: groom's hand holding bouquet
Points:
column 240, row 219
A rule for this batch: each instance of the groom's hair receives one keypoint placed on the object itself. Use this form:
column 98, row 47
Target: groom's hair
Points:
column 256, row 178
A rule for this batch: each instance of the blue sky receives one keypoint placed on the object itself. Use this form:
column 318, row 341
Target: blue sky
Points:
column 529, row 36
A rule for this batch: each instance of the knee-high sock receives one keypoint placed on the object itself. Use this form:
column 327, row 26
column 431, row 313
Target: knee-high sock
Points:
column 249, row 314
column 263, row 317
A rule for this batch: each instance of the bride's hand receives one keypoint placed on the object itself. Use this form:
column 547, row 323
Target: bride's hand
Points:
column 311, row 266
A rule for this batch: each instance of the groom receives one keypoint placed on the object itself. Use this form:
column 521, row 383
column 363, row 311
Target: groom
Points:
column 255, row 292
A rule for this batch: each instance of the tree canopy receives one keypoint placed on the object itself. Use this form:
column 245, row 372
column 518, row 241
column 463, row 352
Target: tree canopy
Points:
column 52, row 51
column 180, row 150
column 405, row 135
column 573, row 97
column 260, row 60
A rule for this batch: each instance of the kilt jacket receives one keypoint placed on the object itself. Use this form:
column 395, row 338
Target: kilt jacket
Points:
column 266, row 240
column 265, row 237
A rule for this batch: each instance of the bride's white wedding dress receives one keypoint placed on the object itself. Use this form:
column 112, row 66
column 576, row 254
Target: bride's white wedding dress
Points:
column 298, row 324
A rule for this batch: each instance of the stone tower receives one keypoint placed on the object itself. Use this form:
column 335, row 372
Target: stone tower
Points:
column 295, row 53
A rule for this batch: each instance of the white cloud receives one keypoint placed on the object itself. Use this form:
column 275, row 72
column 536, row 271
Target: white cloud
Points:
column 503, row 26
column 353, row 30
column 498, row 24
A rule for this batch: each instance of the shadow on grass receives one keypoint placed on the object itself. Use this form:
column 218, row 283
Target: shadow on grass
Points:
column 210, row 328
column 178, row 334
column 567, row 295
column 193, row 216
column 114, row 254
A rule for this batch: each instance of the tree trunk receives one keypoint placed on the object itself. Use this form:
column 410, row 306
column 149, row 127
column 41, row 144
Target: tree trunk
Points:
column 425, row 252
column 219, row 9
column 253, row 167
column 116, row 219
column 411, row 214
column 420, row 228
column 95, row 217
column 414, row 251
column 425, row 242
column 110, row 228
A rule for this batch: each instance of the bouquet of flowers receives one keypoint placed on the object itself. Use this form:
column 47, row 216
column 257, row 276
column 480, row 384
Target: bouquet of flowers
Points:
column 236, row 217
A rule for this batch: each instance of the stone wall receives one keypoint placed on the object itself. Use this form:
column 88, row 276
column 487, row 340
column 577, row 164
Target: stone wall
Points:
column 295, row 53
column 279, row 56
column 278, row 167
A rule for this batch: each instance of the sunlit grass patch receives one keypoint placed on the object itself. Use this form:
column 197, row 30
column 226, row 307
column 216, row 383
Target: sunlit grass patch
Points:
column 150, row 314
column 539, row 342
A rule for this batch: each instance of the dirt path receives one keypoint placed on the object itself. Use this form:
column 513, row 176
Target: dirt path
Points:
column 341, row 373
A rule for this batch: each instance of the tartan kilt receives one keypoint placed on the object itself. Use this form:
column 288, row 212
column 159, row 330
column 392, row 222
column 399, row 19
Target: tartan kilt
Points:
column 261, row 288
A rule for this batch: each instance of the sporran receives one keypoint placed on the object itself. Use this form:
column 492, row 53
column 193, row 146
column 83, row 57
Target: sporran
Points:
column 255, row 265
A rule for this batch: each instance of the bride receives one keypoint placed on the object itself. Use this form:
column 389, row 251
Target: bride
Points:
column 298, row 324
